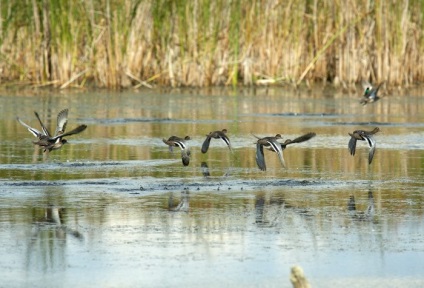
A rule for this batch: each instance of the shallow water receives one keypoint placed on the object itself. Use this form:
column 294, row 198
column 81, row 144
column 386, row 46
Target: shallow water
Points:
column 115, row 208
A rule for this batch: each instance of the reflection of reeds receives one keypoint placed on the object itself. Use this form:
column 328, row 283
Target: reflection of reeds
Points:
column 201, row 43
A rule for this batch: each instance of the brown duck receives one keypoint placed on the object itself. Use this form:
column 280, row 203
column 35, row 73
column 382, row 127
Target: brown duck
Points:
column 363, row 136
column 45, row 138
column 175, row 141
column 216, row 135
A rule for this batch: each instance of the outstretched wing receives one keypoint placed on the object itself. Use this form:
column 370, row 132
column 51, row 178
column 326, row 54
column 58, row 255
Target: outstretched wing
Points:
column 185, row 151
column 301, row 139
column 34, row 131
column 226, row 141
column 45, row 130
column 255, row 136
column 372, row 144
column 260, row 159
column 62, row 120
column 205, row 145
column 352, row 145
column 277, row 148
column 373, row 93
column 77, row 130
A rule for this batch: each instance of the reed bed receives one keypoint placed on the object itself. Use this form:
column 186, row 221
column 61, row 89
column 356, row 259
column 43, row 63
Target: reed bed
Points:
column 124, row 43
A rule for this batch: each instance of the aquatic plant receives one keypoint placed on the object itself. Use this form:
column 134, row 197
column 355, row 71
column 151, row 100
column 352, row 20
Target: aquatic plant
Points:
column 131, row 43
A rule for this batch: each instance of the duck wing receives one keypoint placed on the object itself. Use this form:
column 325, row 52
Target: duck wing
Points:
column 62, row 120
column 185, row 151
column 372, row 144
column 181, row 144
column 34, row 131
column 277, row 148
column 185, row 156
column 352, row 145
column 260, row 159
column 301, row 139
column 226, row 140
column 77, row 130
column 376, row 88
column 43, row 127
column 205, row 145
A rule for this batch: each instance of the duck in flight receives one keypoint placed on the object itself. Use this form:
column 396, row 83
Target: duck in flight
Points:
column 46, row 140
column 272, row 144
column 370, row 93
column 216, row 135
column 175, row 141
column 363, row 135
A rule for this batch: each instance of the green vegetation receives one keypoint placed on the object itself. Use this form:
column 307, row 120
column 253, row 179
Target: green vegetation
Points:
column 126, row 43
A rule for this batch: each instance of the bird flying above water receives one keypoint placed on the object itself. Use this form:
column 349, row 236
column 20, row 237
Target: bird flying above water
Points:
column 216, row 135
column 363, row 136
column 272, row 144
column 175, row 141
column 370, row 93
column 48, row 141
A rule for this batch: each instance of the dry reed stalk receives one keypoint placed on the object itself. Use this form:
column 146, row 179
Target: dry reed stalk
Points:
column 185, row 43
column 327, row 45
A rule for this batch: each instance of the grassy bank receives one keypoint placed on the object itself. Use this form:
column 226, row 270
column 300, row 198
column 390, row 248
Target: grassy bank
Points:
column 123, row 43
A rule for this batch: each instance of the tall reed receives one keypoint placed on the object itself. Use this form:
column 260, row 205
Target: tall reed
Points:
column 125, row 43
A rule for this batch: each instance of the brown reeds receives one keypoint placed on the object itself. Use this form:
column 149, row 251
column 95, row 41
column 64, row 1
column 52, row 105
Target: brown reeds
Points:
column 128, row 43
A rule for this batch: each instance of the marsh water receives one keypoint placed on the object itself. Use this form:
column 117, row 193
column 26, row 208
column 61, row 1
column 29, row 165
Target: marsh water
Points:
column 115, row 208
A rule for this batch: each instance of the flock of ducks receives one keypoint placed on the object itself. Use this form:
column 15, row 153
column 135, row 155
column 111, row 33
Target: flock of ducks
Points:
column 49, row 142
column 270, row 143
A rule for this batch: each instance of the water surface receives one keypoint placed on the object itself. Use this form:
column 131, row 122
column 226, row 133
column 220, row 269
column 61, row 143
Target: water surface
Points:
column 115, row 208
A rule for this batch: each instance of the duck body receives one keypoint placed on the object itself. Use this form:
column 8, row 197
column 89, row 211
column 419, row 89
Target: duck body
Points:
column 175, row 141
column 46, row 140
column 272, row 144
column 370, row 93
column 216, row 135
column 362, row 135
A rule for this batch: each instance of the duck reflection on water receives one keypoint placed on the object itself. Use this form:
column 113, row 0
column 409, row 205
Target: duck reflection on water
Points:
column 268, row 213
column 47, row 245
column 183, row 205
column 367, row 215
column 206, row 171
column 53, row 219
